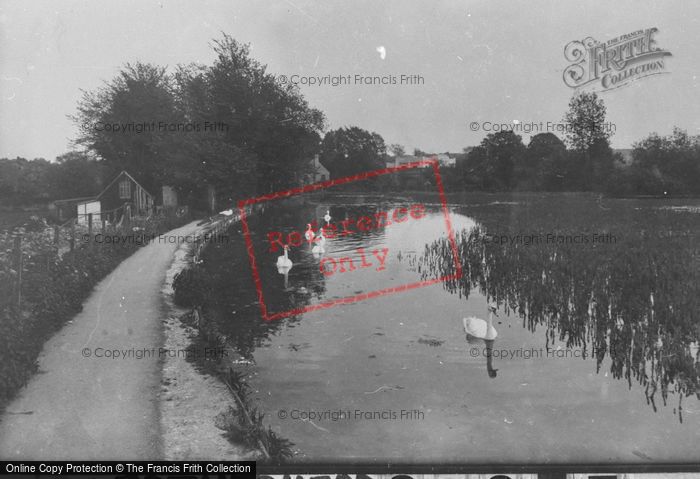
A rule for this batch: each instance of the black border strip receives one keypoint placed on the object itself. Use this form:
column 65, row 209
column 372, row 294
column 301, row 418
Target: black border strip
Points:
column 545, row 469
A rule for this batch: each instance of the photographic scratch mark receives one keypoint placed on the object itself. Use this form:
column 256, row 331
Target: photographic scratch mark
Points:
column 300, row 10
column 640, row 454
column 381, row 388
column 314, row 425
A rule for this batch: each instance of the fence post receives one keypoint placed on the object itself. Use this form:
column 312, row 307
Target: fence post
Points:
column 18, row 263
column 90, row 238
column 127, row 217
column 72, row 235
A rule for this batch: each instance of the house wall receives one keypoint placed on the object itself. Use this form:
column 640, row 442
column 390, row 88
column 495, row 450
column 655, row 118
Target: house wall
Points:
column 66, row 211
column 111, row 201
column 86, row 208
column 63, row 210
column 321, row 173
column 446, row 160
column 141, row 201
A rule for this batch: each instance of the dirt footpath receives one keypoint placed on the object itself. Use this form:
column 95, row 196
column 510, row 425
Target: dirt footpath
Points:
column 84, row 403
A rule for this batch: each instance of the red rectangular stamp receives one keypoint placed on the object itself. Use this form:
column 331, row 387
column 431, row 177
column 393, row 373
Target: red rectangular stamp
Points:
column 329, row 266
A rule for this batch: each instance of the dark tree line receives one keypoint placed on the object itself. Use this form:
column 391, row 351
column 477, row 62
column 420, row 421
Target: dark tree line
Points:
column 583, row 161
column 662, row 165
column 30, row 182
column 229, row 125
column 271, row 134
column 502, row 162
column 347, row 151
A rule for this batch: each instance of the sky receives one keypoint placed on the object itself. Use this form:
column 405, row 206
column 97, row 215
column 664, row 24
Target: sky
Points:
column 480, row 61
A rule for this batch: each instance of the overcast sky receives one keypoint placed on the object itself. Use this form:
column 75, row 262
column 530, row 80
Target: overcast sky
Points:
column 481, row 61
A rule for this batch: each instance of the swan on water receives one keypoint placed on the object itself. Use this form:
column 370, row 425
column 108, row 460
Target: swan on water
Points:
column 321, row 238
column 284, row 261
column 309, row 234
column 327, row 217
column 480, row 329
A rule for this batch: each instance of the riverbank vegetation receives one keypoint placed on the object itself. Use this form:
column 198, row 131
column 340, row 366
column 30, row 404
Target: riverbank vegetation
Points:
column 243, row 424
column 619, row 279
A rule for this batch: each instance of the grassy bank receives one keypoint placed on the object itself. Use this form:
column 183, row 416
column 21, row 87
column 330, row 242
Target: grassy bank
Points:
column 41, row 289
column 197, row 290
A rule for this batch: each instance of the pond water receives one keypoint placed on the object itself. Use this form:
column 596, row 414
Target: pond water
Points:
column 581, row 357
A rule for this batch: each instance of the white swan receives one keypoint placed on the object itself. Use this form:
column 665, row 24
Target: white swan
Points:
column 309, row 234
column 321, row 238
column 478, row 328
column 327, row 217
column 284, row 261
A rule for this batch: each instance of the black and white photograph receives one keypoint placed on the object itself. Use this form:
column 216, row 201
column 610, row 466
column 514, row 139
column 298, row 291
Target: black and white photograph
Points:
column 448, row 236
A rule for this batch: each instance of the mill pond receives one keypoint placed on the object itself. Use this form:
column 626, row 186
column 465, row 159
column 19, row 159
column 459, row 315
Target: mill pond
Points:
column 596, row 354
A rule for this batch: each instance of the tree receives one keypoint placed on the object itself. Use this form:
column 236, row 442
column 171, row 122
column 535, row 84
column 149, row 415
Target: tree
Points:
column 76, row 174
column 397, row 150
column 271, row 133
column 544, row 166
column 348, row 151
column 667, row 164
column 121, row 122
column 492, row 164
column 209, row 158
column 269, row 118
column 230, row 125
column 473, row 168
column 588, row 134
column 500, row 153
column 24, row 182
column 418, row 152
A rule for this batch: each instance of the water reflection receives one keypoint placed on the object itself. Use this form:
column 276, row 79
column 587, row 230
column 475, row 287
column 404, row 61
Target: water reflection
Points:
column 489, row 358
column 408, row 351
column 478, row 330
column 633, row 304
column 284, row 270
column 231, row 296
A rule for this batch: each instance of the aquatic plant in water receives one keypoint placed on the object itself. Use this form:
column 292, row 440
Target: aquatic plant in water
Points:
column 633, row 301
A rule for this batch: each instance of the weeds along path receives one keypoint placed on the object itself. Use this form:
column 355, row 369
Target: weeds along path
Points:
column 84, row 403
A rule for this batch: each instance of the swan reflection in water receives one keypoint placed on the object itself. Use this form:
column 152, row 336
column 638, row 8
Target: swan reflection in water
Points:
column 285, row 271
column 478, row 330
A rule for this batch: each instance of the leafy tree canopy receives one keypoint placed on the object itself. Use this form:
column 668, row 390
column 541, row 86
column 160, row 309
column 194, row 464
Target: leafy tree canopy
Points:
column 348, row 151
